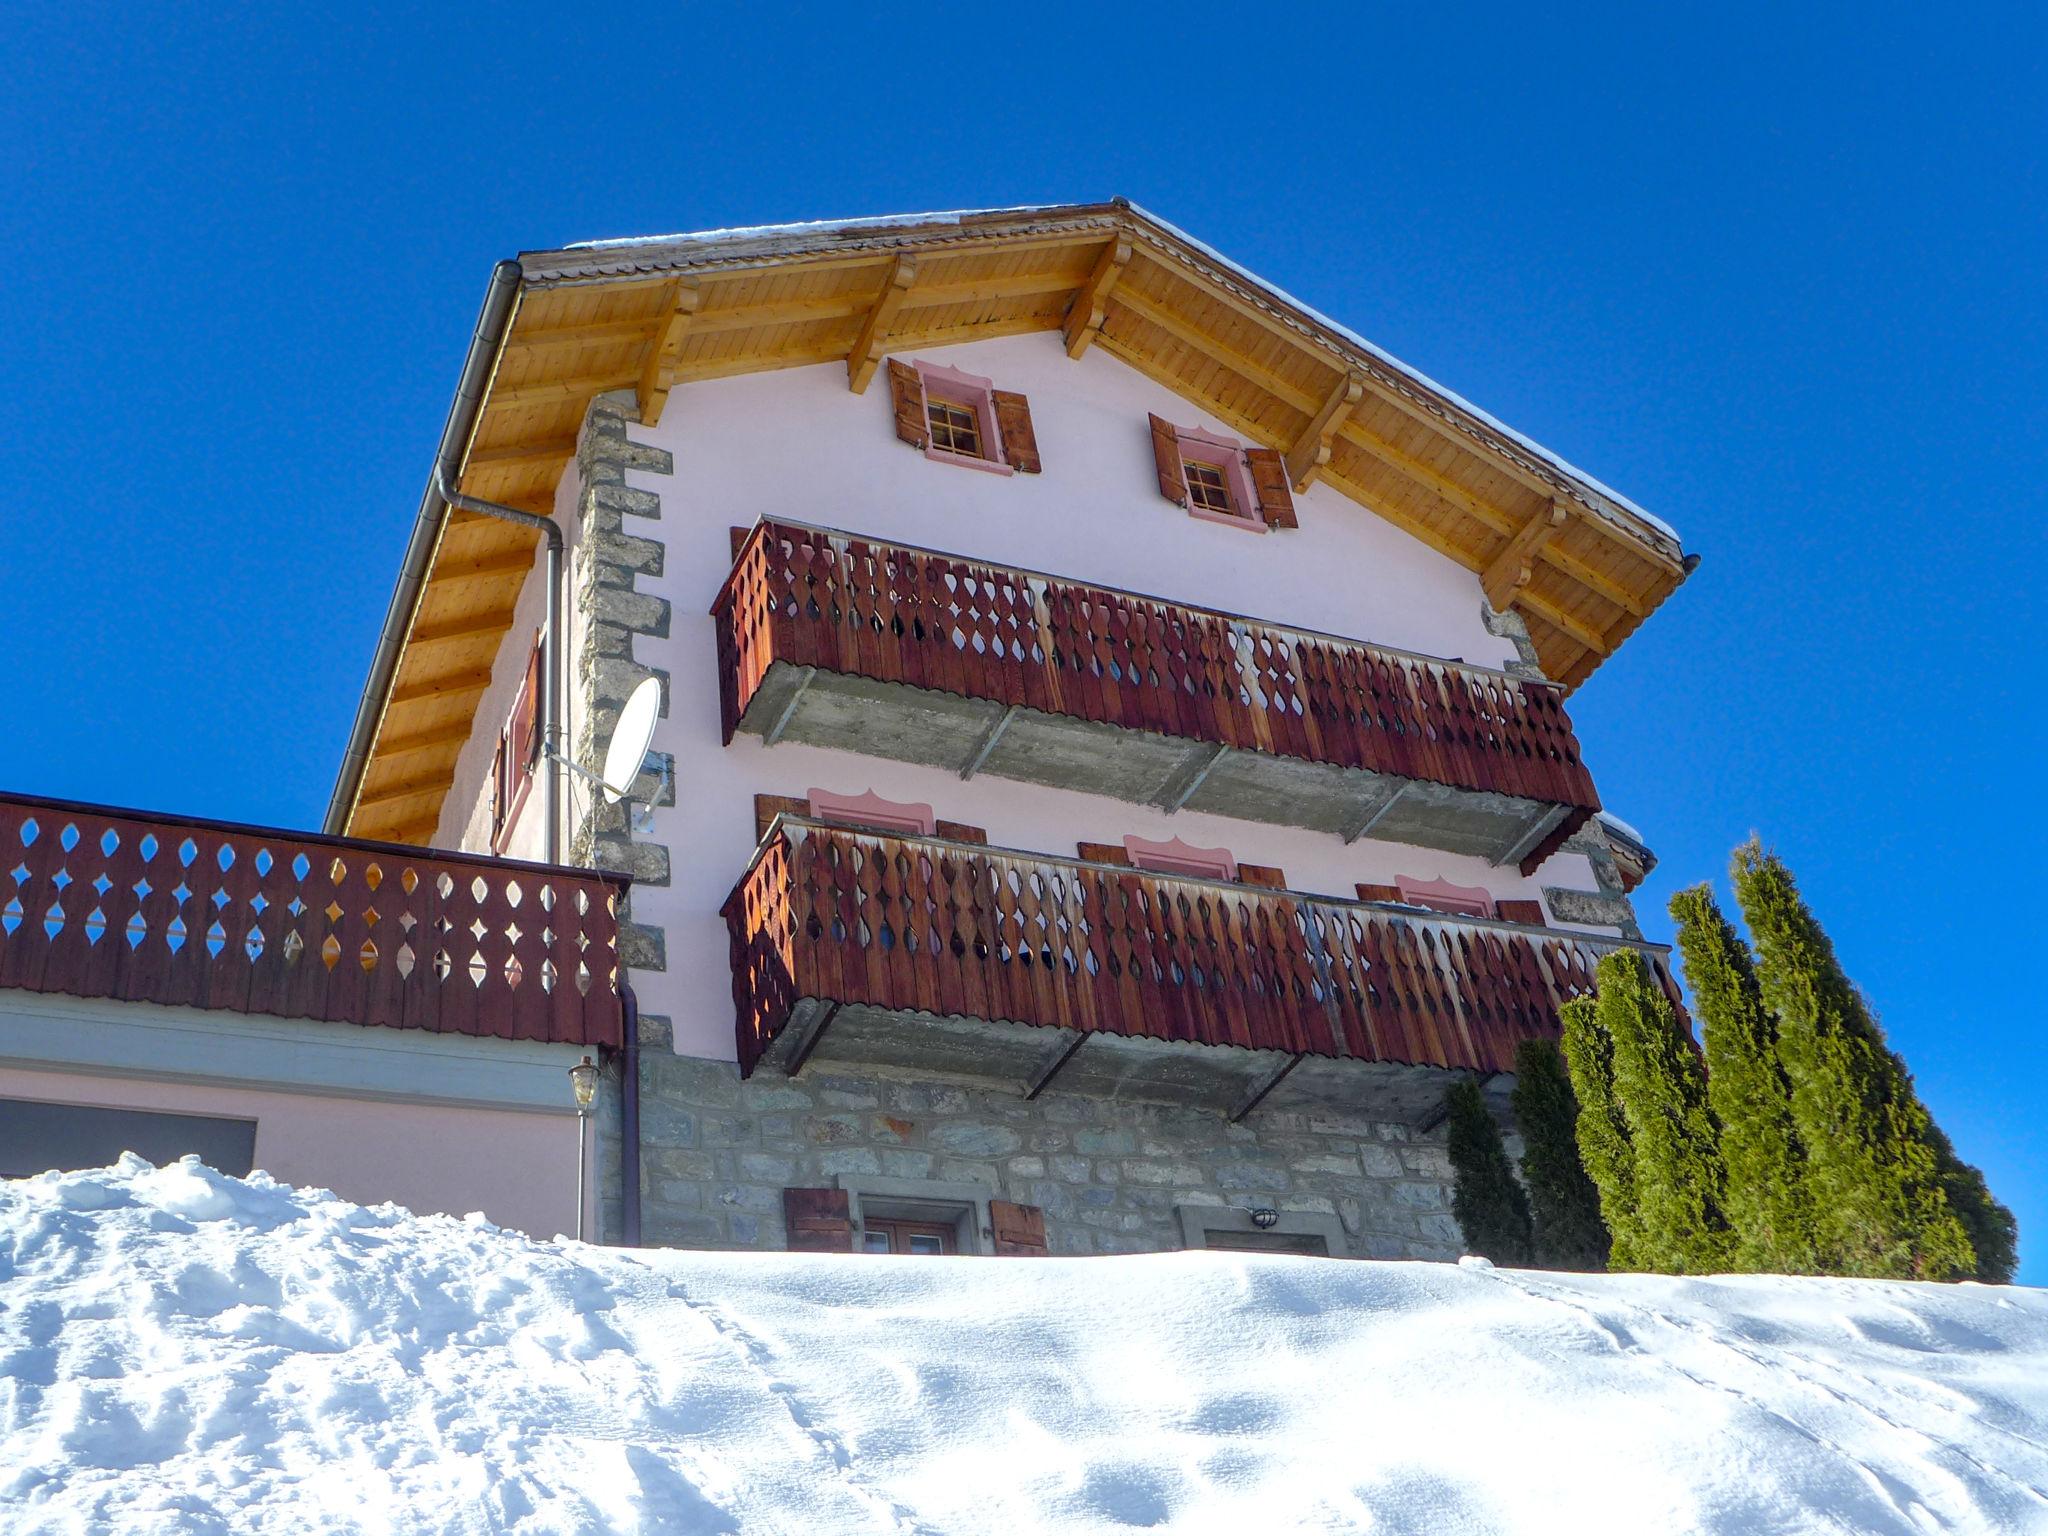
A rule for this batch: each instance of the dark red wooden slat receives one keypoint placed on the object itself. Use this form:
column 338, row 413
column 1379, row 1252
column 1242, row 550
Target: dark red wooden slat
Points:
column 871, row 609
column 173, row 910
column 923, row 924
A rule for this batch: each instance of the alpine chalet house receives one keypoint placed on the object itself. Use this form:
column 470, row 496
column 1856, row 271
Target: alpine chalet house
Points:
column 1114, row 768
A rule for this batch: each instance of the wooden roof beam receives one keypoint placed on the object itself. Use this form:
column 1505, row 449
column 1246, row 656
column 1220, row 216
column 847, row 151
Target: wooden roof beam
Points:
column 1511, row 570
column 516, row 563
column 1311, row 451
column 866, row 355
column 461, row 629
column 575, row 386
column 658, row 372
column 406, row 789
column 438, row 737
column 1091, row 305
column 1570, row 623
column 520, row 455
column 437, row 689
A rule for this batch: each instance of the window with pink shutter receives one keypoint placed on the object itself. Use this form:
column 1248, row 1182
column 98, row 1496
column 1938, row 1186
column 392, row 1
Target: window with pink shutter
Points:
column 1175, row 857
column 912, row 818
column 1442, row 896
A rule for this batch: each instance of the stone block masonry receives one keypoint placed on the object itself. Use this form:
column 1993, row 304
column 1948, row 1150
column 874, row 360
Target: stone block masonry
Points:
column 608, row 562
column 717, row 1154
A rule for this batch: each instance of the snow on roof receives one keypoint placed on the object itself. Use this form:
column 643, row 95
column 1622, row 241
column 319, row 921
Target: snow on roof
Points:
column 1608, row 818
column 190, row 1353
column 742, row 232
column 1314, row 316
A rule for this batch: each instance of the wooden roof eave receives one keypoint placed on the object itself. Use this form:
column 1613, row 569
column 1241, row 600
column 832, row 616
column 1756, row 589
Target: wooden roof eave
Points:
column 680, row 312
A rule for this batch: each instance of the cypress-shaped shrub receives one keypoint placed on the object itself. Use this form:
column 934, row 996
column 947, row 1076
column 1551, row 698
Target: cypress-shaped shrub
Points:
column 1875, row 1174
column 1487, row 1201
column 1662, row 1091
column 1562, row 1200
column 1605, row 1148
column 1766, row 1197
column 1994, row 1234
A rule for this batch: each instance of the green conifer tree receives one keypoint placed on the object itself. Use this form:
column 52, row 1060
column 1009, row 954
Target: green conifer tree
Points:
column 1994, row 1235
column 1662, row 1092
column 1766, row 1195
column 1875, row 1175
column 1605, row 1150
column 1487, row 1201
column 1562, row 1200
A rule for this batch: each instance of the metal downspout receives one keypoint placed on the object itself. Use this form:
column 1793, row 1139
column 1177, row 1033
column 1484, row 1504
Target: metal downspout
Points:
column 552, row 648
column 629, row 1119
column 477, row 366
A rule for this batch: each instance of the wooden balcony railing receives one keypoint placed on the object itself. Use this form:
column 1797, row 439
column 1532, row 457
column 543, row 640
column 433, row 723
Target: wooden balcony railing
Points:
column 829, row 913
column 845, row 604
column 168, row 909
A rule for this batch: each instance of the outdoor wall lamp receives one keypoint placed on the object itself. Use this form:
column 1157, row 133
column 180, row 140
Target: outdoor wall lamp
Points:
column 583, row 1082
column 1264, row 1217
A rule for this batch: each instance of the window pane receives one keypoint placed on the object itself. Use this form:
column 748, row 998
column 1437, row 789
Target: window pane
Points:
column 37, row 1137
column 876, row 1242
column 926, row 1242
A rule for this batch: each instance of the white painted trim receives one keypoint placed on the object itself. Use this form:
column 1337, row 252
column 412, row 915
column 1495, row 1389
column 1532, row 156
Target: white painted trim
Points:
column 45, row 1032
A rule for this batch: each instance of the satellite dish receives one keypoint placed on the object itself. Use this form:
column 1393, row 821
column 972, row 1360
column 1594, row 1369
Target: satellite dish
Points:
column 630, row 739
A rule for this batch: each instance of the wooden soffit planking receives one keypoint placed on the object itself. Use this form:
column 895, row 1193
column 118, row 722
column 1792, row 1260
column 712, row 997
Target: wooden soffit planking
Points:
column 1581, row 566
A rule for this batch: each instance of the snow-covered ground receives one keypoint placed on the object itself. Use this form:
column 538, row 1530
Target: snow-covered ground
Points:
column 184, row 1352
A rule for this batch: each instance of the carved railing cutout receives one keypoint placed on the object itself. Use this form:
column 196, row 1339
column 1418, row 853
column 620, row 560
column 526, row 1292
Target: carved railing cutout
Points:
column 122, row 904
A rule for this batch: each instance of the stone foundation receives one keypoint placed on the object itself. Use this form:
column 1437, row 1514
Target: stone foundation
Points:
column 1112, row 1176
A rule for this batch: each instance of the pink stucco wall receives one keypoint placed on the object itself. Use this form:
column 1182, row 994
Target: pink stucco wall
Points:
column 798, row 444
column 517, row 1167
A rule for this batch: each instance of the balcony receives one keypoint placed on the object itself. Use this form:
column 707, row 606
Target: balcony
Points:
column 843, row 641
column 201, row 914
column 919, row 952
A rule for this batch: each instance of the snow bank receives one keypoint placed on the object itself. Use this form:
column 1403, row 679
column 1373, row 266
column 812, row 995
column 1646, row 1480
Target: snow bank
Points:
column 184, row 1352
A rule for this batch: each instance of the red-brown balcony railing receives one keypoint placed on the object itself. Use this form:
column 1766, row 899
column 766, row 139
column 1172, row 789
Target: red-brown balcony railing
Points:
column 831, row 914
column 168, row 909
column 828, row 602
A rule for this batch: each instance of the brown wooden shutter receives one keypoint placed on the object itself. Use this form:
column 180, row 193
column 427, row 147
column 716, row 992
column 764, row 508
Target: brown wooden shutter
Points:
column 1520, row 912
column 768, row 807
column 1269, row 482
column 1378, row 892
column 1263, row 875
column 906, row 389
column 1173, row 481
column 1013, row 426
column 1019, row 1230
column 1104, row 853
column 818, row 1220
column 526, row 721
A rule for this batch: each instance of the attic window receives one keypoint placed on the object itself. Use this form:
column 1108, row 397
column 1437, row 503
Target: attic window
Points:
column 956, row 428
column 1208, row 488
column 960, row 418
column 1219, row 480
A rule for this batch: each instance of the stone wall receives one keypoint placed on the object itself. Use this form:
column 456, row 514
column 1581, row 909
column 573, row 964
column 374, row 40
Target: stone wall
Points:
column 718, row 1152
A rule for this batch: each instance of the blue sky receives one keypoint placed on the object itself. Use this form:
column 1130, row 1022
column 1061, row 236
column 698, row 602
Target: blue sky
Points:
column 1778, row 277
